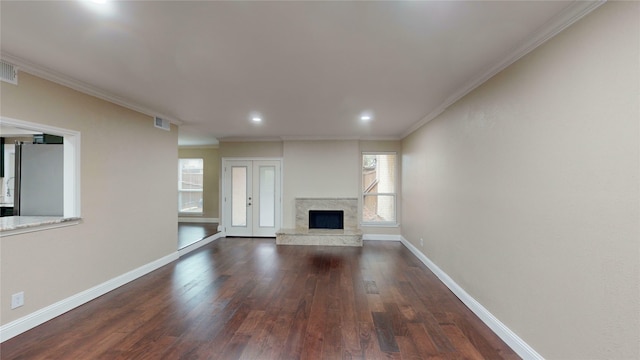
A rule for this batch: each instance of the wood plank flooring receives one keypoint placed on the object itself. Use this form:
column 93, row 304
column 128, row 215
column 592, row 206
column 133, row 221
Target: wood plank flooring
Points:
column 239, row 298
column 190, row 233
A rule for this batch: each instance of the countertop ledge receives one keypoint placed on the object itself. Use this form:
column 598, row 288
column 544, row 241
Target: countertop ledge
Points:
column 9, row 223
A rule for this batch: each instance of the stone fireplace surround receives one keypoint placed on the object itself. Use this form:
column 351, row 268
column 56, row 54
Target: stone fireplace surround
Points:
column 302, row 235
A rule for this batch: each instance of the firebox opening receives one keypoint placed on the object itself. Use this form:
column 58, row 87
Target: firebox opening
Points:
column 326, row 219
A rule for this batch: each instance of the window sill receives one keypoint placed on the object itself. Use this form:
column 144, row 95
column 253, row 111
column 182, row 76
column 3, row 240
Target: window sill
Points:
column 14, row 225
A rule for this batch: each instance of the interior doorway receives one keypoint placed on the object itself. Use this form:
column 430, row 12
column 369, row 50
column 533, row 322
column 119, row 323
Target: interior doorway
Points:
column 252, row 199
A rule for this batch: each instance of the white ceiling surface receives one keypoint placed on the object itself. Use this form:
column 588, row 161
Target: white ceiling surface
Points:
column 309, row 68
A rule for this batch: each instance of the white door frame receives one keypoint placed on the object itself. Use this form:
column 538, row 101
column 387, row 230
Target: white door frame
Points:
column 225, row 211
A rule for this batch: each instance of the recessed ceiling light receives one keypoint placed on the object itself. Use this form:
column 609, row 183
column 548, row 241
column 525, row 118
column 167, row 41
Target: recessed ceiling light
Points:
column 255, row 117
column 366, row 116
column 101, row 7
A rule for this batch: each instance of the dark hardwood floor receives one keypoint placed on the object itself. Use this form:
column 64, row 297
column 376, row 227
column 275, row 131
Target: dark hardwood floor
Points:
column 239, row 298
column 190, row 233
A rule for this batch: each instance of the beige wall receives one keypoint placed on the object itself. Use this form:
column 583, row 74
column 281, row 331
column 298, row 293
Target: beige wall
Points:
column 318, row 169
column 128, row 195
column 251, row 149
column 211, row 186
column 381, row 146
column 526, row 191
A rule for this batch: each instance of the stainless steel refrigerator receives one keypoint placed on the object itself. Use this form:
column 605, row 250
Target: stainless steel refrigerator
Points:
column 38, row 180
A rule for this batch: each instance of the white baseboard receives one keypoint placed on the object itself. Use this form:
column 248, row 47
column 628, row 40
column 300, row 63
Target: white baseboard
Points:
column 43, row 315
column 514, row 341
column 184, row 251
column 194, row 219
column 381, row 237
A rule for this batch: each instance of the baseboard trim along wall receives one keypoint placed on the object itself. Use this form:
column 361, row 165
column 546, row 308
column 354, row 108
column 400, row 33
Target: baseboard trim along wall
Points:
column 514, row 341
column 193, row 219
column 43, row 315
column 184, row 251
column 380, row 237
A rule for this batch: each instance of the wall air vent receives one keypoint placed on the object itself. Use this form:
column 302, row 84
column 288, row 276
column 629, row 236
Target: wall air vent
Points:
column 8, row 73
column 162, row 123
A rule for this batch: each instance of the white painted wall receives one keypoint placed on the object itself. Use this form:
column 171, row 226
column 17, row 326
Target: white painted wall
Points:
column 527, row 191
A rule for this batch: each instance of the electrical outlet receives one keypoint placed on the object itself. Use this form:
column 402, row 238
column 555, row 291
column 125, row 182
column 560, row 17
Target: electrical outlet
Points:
column 421, row 242
column 17, row 300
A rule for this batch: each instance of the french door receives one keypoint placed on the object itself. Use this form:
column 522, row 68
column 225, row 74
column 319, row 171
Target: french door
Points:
column 251, row 197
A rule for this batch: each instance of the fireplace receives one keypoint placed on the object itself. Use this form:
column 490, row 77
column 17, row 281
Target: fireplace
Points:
column 323, row 221
column 326, row 219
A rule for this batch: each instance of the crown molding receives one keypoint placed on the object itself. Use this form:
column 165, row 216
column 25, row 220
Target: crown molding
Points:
column 320, row 138
column 59, row 78
column 572, row 13
column 309, row 138
column 197, row 147
column 340, row 138
column 380, row 138
column 249, row 139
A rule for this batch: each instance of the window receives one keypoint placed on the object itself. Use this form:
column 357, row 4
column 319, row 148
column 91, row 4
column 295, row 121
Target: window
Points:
column 379, row 188
column 190, row 184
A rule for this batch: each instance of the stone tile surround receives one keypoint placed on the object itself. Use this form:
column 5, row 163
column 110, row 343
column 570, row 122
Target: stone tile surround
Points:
column 348, row 205
column 326, row 237
column 302, row 235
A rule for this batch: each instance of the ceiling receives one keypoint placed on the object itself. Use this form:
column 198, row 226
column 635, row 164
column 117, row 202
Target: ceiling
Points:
column 310, row 69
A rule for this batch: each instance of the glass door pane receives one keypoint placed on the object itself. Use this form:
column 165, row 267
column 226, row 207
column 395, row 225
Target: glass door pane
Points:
column 238, row 196
column 267, row 182
column 252, row 196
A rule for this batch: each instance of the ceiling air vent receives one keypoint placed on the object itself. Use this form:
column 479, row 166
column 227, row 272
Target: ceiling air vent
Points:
column 8, row 73
column 162, row 123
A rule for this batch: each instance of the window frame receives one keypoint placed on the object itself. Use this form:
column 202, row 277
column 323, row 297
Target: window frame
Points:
column 180, row 190
column 393, row 223
column 71, row 161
